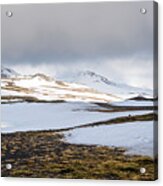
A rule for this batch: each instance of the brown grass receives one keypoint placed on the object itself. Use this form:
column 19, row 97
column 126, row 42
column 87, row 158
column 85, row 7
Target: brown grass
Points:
column 45, row 154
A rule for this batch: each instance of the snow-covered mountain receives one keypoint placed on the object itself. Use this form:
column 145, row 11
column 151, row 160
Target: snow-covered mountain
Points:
column 40, row 87
column 7, row 72
column 103, row 84
column 85, row 86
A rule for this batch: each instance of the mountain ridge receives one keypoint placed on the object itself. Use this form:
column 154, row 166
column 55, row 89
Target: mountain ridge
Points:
column 101, row 83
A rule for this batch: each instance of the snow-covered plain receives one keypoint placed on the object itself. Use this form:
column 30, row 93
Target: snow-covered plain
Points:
column 137, row 137
column 44, row 116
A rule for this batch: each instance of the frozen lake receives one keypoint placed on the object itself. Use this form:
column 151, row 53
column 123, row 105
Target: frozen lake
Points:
column 44, row 116
column 137, row 137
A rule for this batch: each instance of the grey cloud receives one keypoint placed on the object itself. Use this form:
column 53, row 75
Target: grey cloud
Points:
column 55, row 33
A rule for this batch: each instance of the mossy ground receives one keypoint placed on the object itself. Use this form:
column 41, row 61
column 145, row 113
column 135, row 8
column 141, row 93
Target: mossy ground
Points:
column 46, row 154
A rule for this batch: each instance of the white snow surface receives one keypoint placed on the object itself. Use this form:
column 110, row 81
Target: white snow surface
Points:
column 136, row 137
column 134, row 103
column 44, row 116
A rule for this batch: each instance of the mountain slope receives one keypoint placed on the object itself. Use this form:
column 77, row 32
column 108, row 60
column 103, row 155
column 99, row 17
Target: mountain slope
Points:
column 7, row 72
column 105, row 85
column 40, row 87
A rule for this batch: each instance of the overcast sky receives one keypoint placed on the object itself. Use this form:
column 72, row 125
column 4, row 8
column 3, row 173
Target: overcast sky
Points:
column 113, row 39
